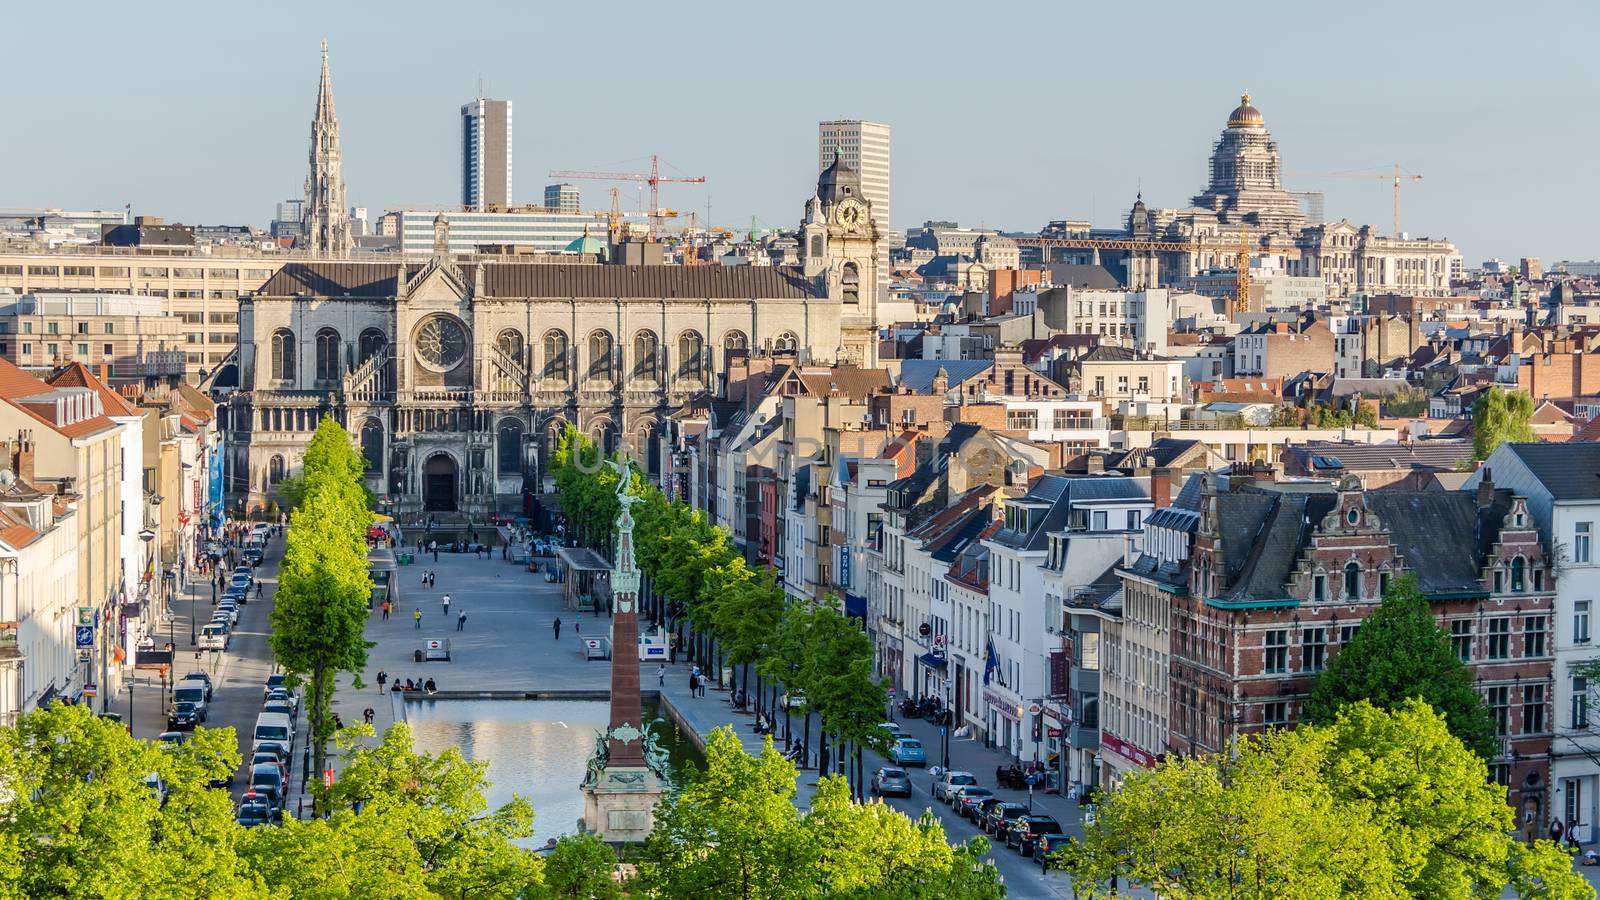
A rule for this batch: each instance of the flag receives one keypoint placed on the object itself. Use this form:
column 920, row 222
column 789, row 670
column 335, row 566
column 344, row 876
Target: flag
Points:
column 991, row 664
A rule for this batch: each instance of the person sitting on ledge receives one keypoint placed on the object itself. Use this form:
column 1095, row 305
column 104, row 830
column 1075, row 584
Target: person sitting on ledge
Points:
column 430, row 687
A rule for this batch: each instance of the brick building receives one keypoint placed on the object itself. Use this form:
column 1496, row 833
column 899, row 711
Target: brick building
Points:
column 1282, row 574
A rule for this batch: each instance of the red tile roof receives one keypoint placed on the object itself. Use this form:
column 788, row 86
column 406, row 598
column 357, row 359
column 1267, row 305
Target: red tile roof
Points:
column 16, row 384
column 77, row 374
column 14, row 533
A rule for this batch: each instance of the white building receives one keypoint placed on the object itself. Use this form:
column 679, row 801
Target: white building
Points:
column 486, row 154
column 38, row 596
column 865, row 147
column 469, row 232
column 1563, row 497
column 1138, row 320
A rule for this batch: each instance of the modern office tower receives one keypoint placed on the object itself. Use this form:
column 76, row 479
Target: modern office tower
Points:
column 486, row 155
column 358, row 221
column 864, row 146
column 561, row 198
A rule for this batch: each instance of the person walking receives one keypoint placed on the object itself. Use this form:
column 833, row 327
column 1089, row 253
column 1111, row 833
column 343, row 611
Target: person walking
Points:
column 367, row 714
column 1572, row 835
column 661, row 675
column 694, row 683
column 385, row 610
column 447, row 604
column 461, row 621
column 417, row 617
column 557, row 627
column 382, row 677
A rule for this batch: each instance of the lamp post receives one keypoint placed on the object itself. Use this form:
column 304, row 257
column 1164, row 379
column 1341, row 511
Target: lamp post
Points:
column 130, row 706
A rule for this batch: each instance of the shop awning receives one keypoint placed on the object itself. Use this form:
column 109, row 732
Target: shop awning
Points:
column 855, row 605
column 932, row 661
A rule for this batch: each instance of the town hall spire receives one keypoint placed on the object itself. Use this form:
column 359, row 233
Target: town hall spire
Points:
column 326, row 219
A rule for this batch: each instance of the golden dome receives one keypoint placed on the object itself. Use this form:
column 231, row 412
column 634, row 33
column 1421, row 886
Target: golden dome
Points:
column 1246, row 115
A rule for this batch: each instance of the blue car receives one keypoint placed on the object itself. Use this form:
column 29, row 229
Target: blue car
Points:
column 908, row 752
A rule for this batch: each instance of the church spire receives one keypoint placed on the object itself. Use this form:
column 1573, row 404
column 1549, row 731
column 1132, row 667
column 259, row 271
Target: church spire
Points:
column 326, row 219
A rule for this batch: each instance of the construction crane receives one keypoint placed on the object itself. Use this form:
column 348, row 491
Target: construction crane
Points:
column 1240, row 251
column 653, row 178
column 1396, row 176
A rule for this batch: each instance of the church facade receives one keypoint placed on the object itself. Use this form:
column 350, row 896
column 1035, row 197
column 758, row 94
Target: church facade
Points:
column 456, row 378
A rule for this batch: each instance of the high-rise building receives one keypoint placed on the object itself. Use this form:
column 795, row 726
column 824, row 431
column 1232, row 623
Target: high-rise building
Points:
column 561, row 197
column 864, row 146
column 1246, row 172
column 486, row 154
column 327, row 219
column 358, row 221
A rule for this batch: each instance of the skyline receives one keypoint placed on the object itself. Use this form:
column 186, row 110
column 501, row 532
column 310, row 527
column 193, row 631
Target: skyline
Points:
column 1021, row 152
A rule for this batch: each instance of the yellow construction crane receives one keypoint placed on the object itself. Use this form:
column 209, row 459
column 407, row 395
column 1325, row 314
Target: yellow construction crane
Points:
column 1397, row 176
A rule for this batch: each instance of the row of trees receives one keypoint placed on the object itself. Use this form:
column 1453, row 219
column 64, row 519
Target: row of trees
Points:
column 729, row 612
column 80, row 821
column 319, row 616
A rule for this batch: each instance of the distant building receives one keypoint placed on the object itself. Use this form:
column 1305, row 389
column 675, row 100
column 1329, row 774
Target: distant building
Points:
column 561, row 198
column 1531, row 268
column 864, row 146
column 289, row 220
column 358, row 221
column 486, row 154
column 147, row 232
column 326, row 218
column 120, row 336
column 469, row 232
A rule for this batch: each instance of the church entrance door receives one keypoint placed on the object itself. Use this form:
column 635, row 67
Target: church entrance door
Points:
column 439, row 477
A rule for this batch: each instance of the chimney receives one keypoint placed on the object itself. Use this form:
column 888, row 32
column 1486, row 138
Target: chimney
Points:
column 1161, row 487
column 25, row 460
column 1486, row 488
column 1094, row 464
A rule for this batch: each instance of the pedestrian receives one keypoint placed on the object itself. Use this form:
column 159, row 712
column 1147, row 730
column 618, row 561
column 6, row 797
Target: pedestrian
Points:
column 424, row 577
column 558, row 628
column 461, row 621
column 694, row 683
column 305, row 766
column 385, row 609
column 447, row 604
column 661, row 675
column 1556, row 831
column 577, row 624
column 338, row 723
column 382, row 677
column 505, row 551
column 367, row 714
column 435, row 551
column 417, row 617
column 1572, row 835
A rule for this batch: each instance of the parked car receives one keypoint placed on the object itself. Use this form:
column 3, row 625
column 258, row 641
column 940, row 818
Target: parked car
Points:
column 967, row 799
column 214, row 637
column 275, row 682
column 279, row 706
column 283, row 696
column 267, row 779
column 265, row 756
column 254, row 811
column 1025, row 831
column 158, row 788
column 893, row 731
column 226, row 613
column 281, row 750
column 253, row 555
column 247, row 573
column 201, row 676
column 889, row 780
column 242, row 582
column 191, row 692
column 185, row 716
column 980, row 809
column 1047, row 844
column 167, row 740
column 1000, row 816
column 908, row 752
column 944, row 787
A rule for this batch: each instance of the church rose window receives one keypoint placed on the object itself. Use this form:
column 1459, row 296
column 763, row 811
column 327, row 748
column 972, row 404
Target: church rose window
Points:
column 441, row 343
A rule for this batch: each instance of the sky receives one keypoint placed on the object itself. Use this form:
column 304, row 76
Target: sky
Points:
column 1004, row 115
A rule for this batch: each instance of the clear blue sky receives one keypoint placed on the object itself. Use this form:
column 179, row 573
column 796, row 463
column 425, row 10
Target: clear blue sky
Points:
column 1005, row 114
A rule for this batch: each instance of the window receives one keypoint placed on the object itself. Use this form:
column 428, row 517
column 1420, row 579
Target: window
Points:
column 114, row 271
column 1352, row 580
column 1276, row 714
column 1122, row 384
column 1499, row 698
column 108, row 349
column 44, row 270
column 1022, row 419
column 1499, row 638
column 600, row 366
column 1517, row 567
column 1533, row 628
column 1532, row 708
column 1133, row 520
column 372, row 342
column 282, row 354
column 1347, row 633
column 850, row 283
column 1099, row 384
column 1580, row 621
column 327, row 355
column 691, row 356
column 1313, row 649
column 1383, row 583
column 1580, row 702
column 1461, row 639
column 110, row 328
column 80, row 271
column 1099, row 520
column 83, row 349
column 1319, row 587
column 83, row 327
column 1581, row 533
column 1499, row 581
column 1277, row 655
column 555, row 355
column 509, row 455
column 644, row 356
column 148, row 272
column 52, row 328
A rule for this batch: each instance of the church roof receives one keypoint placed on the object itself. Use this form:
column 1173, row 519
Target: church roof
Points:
column 376, row 280
column 838, row 180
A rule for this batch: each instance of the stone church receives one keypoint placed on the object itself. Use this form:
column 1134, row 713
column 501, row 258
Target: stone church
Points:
column 456, row 377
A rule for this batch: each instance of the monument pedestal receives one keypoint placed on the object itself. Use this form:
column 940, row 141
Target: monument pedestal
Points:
column 620, row 806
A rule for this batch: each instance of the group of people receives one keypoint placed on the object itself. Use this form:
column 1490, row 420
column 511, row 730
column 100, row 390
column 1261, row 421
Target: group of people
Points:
column 697, row 683
column 1567, row 835
column 408, row 685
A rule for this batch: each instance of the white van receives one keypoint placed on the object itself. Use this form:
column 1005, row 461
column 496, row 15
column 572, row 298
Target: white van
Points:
column 214, row 637
column 274, row 727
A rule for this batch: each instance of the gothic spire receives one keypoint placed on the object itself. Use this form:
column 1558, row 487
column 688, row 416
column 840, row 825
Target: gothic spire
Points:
column 326, row 222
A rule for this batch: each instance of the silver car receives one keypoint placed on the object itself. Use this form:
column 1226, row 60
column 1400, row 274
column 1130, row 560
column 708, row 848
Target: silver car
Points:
column 890, row 780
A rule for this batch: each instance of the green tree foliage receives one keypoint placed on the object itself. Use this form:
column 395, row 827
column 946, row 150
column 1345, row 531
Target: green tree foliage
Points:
column 80, row 822
column 1285, row 415
column 580, row 868
column 1400, row 652
column 1500, row 416
column 734, row 832
column 1377, row 804
column 320, row 614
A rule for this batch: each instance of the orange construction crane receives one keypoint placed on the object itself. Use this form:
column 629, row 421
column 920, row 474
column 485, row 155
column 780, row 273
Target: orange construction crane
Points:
column 653, row 178
column 1396, row 176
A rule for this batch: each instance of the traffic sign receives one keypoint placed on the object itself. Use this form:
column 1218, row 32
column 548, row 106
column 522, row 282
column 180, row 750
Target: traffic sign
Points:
column 941, row 731
column 90, row 689
column 85, row 615
column 85, row 635
column 85, row 656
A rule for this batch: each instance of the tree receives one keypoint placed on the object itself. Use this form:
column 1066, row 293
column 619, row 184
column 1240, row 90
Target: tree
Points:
column 80, row 821
column 1400, row 652
column 1499, row 416
column 320, row 614
column 1284, row 415
column 580, row 868
column 401, row 824
column 1377, row 804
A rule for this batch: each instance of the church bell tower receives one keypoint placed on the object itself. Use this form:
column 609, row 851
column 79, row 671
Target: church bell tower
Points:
column 839, row 239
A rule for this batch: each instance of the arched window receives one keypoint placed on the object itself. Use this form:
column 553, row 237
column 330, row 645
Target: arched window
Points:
column 283, row 355
column 275, row 467
column 510, row 343
column 786, row 343
column 691, row 352
column 372, row 444
column 1518, row 570
column 327, row 355
column 373, row 341
column 645, row 363
column 603, row 436
column 1352, row 580
column 735, row 341
column 510, row 446
column 816, row 246
column 602, row 366
column 850, row 283
column 555, row 355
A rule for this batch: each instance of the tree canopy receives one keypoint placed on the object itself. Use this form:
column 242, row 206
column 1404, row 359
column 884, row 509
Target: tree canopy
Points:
column 1398, row 653
column 1379, row 803
column 1499, row 416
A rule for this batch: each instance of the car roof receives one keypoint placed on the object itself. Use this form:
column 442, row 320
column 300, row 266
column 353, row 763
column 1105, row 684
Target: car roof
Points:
column 270, row 768
column 957, row 772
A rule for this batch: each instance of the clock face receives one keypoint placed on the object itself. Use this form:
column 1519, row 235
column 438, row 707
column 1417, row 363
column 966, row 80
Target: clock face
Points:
column 441, row 343
column 851, row 216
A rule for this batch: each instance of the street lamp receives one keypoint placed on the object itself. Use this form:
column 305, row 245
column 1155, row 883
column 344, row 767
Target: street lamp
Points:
column 130, row 707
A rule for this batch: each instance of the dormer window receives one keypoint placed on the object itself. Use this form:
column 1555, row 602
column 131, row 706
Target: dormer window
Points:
column 1518, row 566
column 1352, row 578
column 1353, row 516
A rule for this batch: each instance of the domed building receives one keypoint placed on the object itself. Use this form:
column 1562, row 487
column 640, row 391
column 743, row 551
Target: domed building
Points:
column 1246, row 176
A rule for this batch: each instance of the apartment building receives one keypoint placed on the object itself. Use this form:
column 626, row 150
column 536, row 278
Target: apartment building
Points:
column 38, row 588
column 121, row 336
